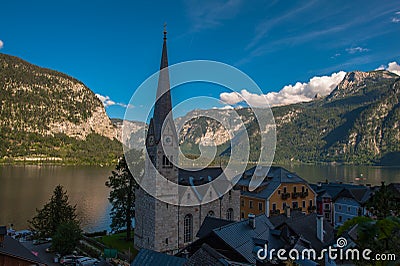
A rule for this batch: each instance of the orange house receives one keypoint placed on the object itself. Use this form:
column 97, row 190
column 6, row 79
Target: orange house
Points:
column 278, row 190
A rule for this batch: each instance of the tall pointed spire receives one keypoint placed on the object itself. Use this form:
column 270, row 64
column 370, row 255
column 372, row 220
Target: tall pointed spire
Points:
column 164, row 57
column 163, row 105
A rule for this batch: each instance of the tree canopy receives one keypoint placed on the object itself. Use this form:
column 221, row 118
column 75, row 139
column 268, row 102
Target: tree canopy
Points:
column 122, row 194
column 54, row 213
column 66, row 237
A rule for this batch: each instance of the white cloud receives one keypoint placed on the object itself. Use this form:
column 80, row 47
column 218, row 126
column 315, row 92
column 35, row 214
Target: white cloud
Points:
column 226, row 107
column 394, row 68
column 1, row 44
column 300, row 92
column 391, row 67
column 396, row 19
column 357, row 49
column 108, row 102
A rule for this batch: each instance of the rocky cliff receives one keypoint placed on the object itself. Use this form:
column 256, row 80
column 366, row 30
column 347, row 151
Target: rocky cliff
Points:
column 42, row 105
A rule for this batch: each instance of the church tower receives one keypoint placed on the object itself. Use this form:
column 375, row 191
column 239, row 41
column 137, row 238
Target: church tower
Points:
column 156, row 225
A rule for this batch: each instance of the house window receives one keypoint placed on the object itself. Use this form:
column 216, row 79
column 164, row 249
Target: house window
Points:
column 242, row 215
column 340, row 218
column 166, row 241
column 279, row 191
column 229, row 214
column 302, row 189
column 188, row 228
column 310, row 203
column 327, row 206
column 284, row 189
column 242, row 203
column 294, row 189
column 284, row 206
column 211, row 214
column 260, row 206
column 250, row 204
column 274, row 206
column 295, row 204
column 304, row 203
column 348, row 209
column 166, row 162
column 339, row 207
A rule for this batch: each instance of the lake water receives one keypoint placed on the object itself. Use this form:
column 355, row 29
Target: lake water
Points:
column 27, row 187
column 24, row 188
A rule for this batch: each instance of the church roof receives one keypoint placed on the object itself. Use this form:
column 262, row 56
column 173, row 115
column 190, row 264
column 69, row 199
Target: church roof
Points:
column 211, row 223
column 198, row 176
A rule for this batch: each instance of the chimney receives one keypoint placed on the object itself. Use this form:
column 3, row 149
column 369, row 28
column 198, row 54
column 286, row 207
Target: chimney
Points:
column 252, row 220
column 3, row 232
column 320, row 227
column 287, row 211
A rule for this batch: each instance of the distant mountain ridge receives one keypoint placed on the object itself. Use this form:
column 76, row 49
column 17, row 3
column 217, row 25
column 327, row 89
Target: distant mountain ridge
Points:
column 357, row 123
column 48, row 114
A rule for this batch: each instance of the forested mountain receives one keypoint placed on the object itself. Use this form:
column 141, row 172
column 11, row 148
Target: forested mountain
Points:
column 47, row 115
column 359, row 122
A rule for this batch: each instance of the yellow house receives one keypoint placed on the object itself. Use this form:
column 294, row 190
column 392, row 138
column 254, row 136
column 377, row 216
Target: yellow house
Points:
column 279, row 189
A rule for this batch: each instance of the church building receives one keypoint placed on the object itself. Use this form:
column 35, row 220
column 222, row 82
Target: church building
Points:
column 165, row 227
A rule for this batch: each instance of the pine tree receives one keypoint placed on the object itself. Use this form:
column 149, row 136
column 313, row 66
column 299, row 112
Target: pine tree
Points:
column 66, row 237
column 55, row 212
column 122, row 194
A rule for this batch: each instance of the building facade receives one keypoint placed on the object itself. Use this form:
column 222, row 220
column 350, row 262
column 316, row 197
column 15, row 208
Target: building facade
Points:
column 339, row 202
column 280, row 190
column 165, row 227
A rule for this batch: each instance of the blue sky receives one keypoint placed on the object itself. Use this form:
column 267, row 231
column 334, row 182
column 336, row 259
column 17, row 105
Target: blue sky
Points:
column 113, row 46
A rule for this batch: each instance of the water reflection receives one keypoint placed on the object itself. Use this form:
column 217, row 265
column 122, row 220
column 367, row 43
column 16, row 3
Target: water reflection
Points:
column 345, row 173
column 27, row 187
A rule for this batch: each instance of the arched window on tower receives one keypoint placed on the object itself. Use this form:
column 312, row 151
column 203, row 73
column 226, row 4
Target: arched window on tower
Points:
column 229, row 214
column 188, row 228
column 211, row 214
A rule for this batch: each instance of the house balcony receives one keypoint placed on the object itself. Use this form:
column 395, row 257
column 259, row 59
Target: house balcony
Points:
column 295, row 195
column 285, row 196
column 303, row 194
